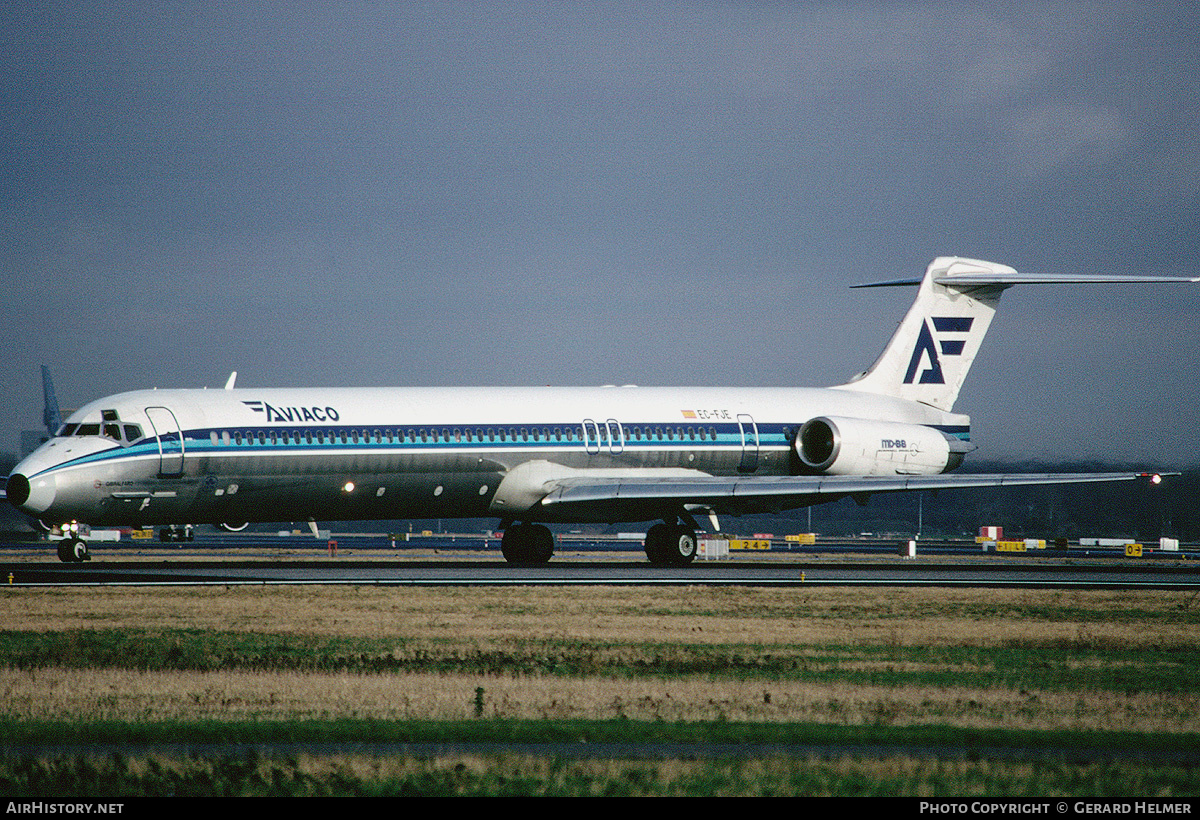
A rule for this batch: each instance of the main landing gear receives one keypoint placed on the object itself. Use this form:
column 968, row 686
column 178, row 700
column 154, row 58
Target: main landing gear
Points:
column 667, row 545
column 670, row 545
column 527, row 545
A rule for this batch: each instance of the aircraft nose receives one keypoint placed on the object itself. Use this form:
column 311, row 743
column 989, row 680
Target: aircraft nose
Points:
column 33, row 497
column 17, row 489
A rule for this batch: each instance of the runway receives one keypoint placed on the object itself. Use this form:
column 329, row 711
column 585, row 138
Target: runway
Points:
column 191, row 566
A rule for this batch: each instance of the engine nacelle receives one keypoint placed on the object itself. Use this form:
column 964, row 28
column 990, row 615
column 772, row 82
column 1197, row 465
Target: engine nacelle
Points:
column 847, row 446
column 238, row 527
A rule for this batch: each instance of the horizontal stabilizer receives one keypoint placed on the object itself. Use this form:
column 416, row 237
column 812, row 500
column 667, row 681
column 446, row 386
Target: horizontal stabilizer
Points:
column 980, row 278
column 931, row 352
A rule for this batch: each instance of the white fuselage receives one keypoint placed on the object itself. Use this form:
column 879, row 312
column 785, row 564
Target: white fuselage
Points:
column 231, row 456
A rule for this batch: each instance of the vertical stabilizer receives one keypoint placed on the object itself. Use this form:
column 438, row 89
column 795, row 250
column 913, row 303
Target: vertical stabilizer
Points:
column 931, row 353
column 928, row 358
column 51, row 416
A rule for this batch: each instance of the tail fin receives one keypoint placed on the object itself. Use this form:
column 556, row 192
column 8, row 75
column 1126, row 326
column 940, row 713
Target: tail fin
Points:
column 930, row 354
column 51, row 416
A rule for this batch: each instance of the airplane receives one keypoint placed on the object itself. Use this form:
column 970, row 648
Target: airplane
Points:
column 532, row 456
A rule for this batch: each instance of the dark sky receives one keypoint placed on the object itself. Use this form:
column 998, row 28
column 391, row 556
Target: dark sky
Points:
column 675, row 193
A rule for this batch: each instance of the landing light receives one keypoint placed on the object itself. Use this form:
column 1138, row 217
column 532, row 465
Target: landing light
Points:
column 348, row 487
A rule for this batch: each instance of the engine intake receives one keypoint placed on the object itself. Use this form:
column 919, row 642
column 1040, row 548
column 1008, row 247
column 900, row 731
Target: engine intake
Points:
column 849, row 446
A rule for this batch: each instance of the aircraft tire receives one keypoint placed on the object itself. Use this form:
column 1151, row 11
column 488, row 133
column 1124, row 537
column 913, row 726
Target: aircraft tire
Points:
column 657, row 544
column 527, row 545
column 670, row 545
column 73, row 550
column 682, row 546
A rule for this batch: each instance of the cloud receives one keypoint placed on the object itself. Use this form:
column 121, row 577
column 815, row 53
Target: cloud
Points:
column 1046, row 137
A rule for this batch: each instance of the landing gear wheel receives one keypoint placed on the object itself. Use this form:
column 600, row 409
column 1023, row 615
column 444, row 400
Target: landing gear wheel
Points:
column 73, row 550
column 657, row 538
column 670, row 545
column 527, row 545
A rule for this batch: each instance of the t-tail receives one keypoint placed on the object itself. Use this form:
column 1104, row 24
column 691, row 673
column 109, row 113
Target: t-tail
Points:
column 928, row 358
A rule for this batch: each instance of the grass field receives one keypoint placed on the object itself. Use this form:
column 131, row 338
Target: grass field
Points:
column 961, row 668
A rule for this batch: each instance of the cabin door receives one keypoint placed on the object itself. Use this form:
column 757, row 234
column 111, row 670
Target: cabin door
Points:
column 749, row 433
column 170, row 441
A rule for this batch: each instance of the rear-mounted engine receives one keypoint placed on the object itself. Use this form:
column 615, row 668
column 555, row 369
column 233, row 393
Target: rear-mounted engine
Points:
column 848, row 446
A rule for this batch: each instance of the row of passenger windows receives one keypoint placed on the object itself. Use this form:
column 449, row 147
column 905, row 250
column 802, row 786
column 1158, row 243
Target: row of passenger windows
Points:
column 413, row 435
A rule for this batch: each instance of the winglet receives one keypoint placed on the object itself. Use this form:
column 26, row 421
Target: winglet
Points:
column 232, row 378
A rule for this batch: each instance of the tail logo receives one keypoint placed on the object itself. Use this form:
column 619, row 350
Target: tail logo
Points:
column 927, row 348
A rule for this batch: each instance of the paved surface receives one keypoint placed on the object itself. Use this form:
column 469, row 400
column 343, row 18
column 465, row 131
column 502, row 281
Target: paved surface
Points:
column 361, row 560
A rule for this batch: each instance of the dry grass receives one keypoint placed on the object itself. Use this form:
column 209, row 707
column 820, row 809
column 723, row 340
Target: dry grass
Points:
column 620, row 615
column 107, row 694
column 638, row 622
column 519, row 775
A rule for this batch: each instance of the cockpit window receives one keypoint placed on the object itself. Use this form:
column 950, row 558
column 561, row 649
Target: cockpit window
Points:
column 124, row 433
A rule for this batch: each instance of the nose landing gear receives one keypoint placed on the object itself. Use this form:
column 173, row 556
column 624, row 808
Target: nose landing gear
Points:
column 73, row 550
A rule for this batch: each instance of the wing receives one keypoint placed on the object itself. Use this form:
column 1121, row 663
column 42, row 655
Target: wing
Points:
column 633, row 497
